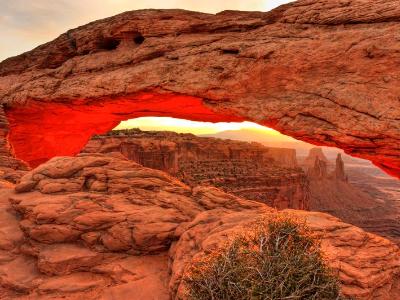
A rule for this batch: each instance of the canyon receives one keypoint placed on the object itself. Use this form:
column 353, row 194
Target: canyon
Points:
column 254, row 171
column 248, row 170
column 334, row 191
column 367, row 198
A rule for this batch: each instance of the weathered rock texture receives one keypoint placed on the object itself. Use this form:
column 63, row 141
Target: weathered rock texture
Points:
column 323, row 71
column 11, row 169
column 319, row 170
column 99, row 227
column 319, row 167
column 339, row 169
column 313, row 154
column 248, row 170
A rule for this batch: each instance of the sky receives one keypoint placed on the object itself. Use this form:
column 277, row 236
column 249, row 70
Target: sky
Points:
column 25, row 24
column 184, row 126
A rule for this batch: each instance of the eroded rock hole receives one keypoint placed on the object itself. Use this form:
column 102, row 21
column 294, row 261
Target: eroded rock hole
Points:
column 138, row 39
column 230, row 51
column 108, row 44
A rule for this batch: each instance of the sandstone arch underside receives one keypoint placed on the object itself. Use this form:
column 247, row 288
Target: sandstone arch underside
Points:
column 326, row 72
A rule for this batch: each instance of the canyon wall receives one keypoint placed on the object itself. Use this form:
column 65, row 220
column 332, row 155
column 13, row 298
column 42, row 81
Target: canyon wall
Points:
column 331, row 192
column 248, row 170
column 322, row 71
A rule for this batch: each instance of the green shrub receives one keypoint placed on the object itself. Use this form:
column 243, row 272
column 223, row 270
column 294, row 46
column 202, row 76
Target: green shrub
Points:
column 273, row 259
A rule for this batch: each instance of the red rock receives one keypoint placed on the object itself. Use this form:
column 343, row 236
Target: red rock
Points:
column 152, row 283
column 79, row 126
column 20, row 274
column 319, row 170
column 331, row 192
column 61, row 259
column 323, row 71
column 76, row 282
column 339, row 168
column 147, row 288
column 11, row 169
column 122, row 207
column 364, row 274
column 109, row 258
column 355, row 206
column 11, row 235
column 314, row 153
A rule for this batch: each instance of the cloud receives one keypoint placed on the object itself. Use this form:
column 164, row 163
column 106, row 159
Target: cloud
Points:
column 27, row 24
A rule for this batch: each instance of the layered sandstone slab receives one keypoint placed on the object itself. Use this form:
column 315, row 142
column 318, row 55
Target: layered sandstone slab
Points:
column 323, row 71
column 79, row 236
column 248, row 170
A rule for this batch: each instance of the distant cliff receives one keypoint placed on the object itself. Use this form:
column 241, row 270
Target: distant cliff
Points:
column 249, row 170
column 331, row 192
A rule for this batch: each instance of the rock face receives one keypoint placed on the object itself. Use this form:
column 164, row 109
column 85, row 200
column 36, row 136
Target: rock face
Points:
column 11, row 169
column 102, row 227
column 319, row 170
column 248, row 170
column 331, row 192
column 323, row 71
column 318, row 167
column 339, row 168
column 313, row 154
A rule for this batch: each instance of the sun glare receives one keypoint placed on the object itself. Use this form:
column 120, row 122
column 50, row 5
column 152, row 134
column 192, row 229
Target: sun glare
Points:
column 186, row 126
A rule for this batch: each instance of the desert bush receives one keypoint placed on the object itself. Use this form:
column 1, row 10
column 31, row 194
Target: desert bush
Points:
column 273, row 259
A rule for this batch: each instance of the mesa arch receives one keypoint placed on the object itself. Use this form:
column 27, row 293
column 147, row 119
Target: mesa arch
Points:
column 326, row 72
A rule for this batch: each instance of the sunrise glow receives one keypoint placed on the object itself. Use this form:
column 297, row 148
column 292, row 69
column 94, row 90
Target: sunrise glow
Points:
column 186, row 126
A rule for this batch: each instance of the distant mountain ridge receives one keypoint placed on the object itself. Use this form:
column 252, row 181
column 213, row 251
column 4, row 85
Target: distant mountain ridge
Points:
column 271, row 140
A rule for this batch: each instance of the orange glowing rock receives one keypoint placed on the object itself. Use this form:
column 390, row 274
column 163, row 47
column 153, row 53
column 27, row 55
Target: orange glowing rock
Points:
column 40, row 131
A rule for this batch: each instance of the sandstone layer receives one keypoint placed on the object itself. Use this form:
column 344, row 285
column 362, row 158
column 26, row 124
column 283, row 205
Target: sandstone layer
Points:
column 322, row 71
column 102, row 227
column 248, row 170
